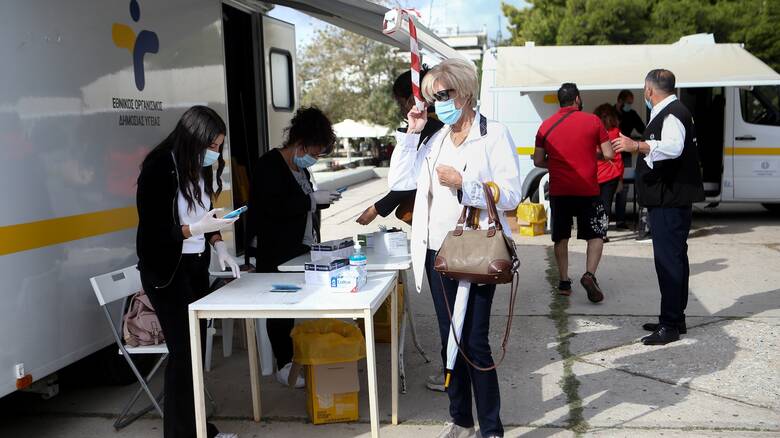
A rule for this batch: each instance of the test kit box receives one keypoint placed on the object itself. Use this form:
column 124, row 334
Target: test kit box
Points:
column 324, row 272
column 332, row 249
column 392, row 243
column 332, row 392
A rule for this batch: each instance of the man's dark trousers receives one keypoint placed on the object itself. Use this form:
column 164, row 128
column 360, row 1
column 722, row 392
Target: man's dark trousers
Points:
column 670, row 227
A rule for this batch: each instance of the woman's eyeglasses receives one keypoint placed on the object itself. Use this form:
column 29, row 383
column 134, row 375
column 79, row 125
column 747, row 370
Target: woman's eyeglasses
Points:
column 443, row 95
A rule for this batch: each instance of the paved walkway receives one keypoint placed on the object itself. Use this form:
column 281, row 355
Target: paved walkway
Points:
column 573, row 368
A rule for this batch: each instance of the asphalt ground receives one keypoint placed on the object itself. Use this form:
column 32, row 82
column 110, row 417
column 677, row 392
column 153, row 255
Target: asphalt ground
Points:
column 573, row 368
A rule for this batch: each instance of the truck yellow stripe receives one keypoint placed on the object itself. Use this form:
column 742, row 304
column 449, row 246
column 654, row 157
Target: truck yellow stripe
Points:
column 32, row 235
column 753, row 151
column 38, row 234
column 525, row 150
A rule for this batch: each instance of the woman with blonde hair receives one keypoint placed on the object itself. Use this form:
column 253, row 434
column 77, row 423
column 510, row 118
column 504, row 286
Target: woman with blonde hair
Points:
column 448, row 172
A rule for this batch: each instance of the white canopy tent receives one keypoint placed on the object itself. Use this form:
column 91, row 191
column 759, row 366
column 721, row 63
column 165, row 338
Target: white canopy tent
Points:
column 365, row 18
column 363, row 129
column 696, row 61
column 351, row 129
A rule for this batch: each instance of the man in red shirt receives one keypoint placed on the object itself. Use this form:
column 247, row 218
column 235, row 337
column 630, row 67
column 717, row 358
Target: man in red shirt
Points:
column 565, row 144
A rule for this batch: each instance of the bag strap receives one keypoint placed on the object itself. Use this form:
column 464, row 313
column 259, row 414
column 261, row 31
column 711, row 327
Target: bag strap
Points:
column 504, row 341
column 493, row 220
column 555, row 125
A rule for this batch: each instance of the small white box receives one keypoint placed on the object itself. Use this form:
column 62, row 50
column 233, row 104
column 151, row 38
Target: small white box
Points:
column 392, row 243
column 348, row 280
column 324, row 273
column 332, row 249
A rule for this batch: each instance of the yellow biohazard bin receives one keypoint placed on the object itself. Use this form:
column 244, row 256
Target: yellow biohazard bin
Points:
column 329, row 349
column 531, row 218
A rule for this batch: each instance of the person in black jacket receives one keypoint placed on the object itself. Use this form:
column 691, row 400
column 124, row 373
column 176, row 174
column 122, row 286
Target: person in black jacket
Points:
column 175, row 226
column 402, row 93
column 669, row 183
column 284, row 211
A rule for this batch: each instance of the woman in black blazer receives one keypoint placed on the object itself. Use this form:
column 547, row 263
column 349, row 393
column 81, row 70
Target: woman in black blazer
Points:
column 176, row 225
column 284, row 210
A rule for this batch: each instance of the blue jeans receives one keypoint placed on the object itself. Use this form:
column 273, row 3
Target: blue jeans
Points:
column 474, row 341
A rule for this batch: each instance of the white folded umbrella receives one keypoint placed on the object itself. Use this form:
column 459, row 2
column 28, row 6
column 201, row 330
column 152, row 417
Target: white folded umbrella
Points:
column 458, row 316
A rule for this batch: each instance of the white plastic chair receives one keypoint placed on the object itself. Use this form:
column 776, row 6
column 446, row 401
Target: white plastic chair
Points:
column 108, row 289
column 544, row 201
column 116, row 286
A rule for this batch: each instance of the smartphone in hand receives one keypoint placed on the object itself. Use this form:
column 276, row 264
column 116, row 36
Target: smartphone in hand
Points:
column 235, row 213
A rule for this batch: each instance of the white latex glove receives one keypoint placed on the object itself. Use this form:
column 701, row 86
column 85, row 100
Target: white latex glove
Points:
column 210, row 224
column 226, row 260
column 325, row 196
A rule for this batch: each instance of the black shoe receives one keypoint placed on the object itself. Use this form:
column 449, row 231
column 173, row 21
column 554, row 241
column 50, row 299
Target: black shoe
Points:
column 662, row 336
column 644, row 236
column 653, row 326
column 606, row 239
column 591, row 285
column 564, row 287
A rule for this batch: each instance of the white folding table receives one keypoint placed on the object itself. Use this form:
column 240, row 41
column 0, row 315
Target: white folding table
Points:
column 382, row 263
column 249, row 297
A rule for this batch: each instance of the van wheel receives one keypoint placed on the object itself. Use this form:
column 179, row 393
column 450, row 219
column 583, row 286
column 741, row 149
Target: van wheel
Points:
column 774, row 208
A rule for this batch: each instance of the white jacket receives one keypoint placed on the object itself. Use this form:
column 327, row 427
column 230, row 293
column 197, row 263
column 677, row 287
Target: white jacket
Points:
column 490, row 157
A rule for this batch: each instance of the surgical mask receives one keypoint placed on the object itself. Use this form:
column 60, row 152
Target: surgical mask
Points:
column 626, row 107
column 447, row 113
column 305, row 161
column 210, row 158
column 649, row 104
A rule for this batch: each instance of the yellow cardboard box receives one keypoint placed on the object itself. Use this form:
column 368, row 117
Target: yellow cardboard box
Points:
column 535, row 229
column 332, row 392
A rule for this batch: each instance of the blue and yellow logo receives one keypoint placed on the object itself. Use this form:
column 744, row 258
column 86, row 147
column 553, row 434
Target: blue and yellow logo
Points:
column 146, row 42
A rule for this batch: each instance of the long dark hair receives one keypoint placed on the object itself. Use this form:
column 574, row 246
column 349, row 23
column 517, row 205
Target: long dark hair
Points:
column 608, row 115
column 197, row 128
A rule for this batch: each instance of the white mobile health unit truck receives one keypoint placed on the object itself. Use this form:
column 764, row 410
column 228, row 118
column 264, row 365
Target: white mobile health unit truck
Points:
column 87, row 88
column 734, row 98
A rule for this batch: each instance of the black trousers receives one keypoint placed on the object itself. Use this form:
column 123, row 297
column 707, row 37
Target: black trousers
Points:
column 190, row 283
column 670, row 227
column 607, row 193
column 474, row 341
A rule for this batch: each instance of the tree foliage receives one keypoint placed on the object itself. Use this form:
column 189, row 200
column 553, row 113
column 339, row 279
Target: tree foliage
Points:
column 578, row 22
column 350, row 76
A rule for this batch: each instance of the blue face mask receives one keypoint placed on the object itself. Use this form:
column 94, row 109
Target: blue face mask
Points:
column 649, row 104
column 626, row 107
column 305, row 161
column 210, row 158
column 447, row 113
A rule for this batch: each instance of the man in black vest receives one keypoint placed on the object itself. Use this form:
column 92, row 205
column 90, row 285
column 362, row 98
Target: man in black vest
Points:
column 669, row 182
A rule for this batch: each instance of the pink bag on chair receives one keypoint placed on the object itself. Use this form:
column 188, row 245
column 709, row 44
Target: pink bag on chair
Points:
column 141, row 326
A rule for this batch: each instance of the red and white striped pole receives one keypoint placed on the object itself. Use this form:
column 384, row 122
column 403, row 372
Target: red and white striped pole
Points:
column 392, row 22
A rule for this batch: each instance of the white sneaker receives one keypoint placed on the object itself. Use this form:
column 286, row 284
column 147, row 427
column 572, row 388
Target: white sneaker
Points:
column 452, row 430
column 226, row 435
column 283, row 374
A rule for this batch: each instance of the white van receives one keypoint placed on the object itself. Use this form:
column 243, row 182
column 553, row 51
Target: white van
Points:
column 734, row 98
column 87, row 88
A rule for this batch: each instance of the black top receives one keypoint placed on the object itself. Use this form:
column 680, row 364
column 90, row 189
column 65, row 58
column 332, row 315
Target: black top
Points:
column 394, row 198
column 159, row 238
column 630, row 120
column 671, row 183
column 278, row 211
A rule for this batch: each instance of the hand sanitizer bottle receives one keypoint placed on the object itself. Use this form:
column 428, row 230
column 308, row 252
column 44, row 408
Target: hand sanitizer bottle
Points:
column 357, row 263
